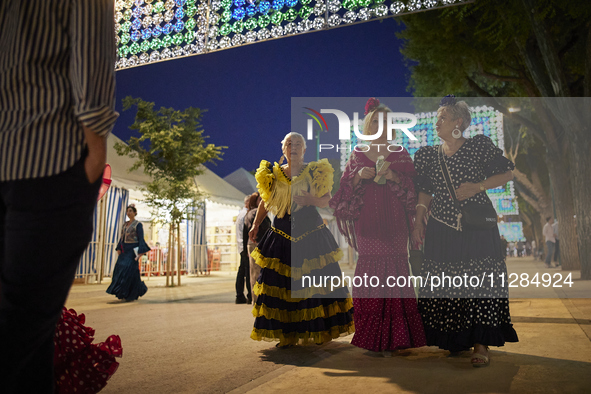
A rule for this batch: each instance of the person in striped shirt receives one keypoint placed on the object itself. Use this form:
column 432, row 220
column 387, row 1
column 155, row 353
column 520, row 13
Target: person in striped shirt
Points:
column 57, row 92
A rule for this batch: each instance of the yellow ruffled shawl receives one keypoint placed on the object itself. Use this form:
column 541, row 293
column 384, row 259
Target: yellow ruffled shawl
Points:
column 277, row 189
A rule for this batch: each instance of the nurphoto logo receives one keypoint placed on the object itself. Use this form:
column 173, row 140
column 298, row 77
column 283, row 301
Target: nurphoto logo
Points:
column 395, row 121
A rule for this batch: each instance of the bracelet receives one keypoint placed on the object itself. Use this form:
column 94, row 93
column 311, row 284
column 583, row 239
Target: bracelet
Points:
column 422, row 205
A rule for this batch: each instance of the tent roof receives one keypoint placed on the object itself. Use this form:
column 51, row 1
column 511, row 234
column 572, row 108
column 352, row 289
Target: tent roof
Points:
column 242, row 180
column 219, row 190
column 215, row 188
column 120, row 165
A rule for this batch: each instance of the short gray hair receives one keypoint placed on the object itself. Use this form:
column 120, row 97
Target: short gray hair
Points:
column 293, row 134
column 458, row 110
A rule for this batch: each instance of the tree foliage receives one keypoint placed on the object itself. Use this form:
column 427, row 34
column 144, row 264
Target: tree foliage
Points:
column 171, row 149
column 520, row 48
column 490, row 47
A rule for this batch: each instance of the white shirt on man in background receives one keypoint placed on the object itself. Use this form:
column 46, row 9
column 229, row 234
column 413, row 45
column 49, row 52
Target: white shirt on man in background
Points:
column 240, row 229
column 548, row 232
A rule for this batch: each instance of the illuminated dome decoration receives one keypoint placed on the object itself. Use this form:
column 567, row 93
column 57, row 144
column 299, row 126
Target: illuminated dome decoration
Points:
column 150, row 31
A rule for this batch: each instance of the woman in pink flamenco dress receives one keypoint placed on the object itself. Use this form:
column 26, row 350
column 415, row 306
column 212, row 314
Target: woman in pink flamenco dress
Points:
column 376, row 219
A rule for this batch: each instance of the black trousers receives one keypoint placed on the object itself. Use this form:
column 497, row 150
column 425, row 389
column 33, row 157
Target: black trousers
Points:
column 45, row 226
column 243, row 274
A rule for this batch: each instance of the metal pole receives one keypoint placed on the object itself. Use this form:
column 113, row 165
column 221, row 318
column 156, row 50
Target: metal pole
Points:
column 102, row 236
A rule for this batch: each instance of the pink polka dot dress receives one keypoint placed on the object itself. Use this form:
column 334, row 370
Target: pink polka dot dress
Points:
column 376, row 220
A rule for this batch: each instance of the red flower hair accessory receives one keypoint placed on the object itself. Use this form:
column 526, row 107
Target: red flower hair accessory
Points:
column 371, row 104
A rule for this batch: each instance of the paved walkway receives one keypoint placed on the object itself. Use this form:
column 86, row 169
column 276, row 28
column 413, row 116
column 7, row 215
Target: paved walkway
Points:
column 194, row 339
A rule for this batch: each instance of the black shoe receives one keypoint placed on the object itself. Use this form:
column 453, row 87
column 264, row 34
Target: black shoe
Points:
column 240, row 300
column 249, row 300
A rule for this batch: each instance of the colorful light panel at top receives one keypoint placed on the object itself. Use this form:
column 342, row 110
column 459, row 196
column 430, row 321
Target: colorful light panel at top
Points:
column 485, row 120
column 149, row 31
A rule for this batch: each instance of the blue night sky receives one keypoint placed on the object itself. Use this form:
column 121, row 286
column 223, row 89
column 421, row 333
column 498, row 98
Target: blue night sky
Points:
column 247, row 90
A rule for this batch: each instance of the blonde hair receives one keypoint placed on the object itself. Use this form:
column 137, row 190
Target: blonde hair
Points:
column 458, row 110
column 369, row 117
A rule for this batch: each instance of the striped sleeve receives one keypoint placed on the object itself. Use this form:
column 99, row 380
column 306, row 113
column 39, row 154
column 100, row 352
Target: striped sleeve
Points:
column 92, row 64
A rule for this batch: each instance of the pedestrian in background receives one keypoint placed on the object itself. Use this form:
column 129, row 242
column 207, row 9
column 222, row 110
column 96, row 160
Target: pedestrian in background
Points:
column 57, row 100
column 504, row 244
column 126, row 283
column 243, row 275
column 255, row 269
column 556, row 244
column 548, row 232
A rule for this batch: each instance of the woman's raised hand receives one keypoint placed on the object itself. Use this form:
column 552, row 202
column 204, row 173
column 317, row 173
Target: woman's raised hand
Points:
column 252, row 234
column 304, row 199
column 418, row 233
column 467, row 190
column 367, row 173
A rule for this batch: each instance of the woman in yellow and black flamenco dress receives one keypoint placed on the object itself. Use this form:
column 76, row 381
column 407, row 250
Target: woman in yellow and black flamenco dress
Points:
column 298, row 244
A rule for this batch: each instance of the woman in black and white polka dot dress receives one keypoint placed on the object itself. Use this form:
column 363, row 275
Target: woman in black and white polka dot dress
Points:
column 459, row 318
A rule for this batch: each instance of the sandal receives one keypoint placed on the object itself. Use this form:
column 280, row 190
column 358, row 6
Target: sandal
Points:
column 479, row 360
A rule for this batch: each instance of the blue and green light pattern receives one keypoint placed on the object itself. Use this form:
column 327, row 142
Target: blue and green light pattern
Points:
column 149, row 31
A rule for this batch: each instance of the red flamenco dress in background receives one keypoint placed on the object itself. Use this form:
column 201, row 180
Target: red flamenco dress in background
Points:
column 81, row 366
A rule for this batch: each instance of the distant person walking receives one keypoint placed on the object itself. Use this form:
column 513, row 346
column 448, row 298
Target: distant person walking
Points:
column 556, row 244
column 127, row 283
column 548, row 232
column 504, row 244
column 243, row 275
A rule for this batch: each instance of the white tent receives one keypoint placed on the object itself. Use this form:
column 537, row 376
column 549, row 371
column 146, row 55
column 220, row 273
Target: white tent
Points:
column 222, row 203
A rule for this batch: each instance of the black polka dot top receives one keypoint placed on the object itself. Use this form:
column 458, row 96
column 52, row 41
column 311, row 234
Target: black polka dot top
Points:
column 477, row 159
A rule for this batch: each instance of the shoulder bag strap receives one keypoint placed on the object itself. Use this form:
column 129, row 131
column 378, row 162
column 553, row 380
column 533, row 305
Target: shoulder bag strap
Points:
column 450, row 186
column 445, row 172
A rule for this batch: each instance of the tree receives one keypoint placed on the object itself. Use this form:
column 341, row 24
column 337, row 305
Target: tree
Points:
column 172, row 150
column 530, row 175
column 538, row 49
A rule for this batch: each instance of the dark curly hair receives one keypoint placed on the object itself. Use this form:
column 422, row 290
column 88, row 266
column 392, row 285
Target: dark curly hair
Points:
column 252, row 201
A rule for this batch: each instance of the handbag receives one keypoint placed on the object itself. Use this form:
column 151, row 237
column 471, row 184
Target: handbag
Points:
column 472, row 215
column 415, row 258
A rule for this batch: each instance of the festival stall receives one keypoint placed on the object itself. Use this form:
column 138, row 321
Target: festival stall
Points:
column 216, row 218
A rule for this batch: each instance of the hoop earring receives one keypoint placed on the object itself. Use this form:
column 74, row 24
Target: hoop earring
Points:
column 456, row 133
